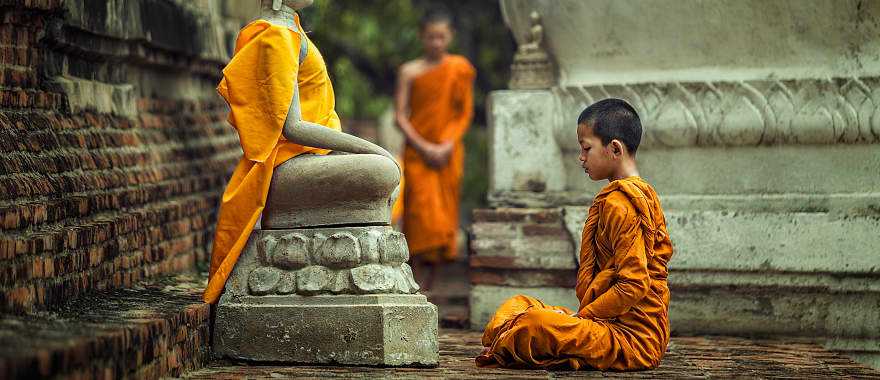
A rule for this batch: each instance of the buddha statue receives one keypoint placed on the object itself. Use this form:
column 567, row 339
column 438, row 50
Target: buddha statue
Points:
column 323, row 278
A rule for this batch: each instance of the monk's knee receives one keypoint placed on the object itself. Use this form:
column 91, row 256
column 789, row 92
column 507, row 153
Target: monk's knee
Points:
column 384, row 165
column 518, row 301
column 537, row 317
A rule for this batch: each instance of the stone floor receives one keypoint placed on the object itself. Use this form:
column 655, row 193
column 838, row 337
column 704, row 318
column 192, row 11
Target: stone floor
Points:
column 160, row 328
column 688, row 357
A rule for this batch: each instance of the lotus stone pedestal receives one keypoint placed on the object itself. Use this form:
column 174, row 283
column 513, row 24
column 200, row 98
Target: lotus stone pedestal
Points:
column 326, row 295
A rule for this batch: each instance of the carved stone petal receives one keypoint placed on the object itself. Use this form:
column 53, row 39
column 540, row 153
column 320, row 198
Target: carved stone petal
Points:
column 292, row 252
column 287, row 285
column 266, row 247
column 370, row 246
column 742, row 123
column 318, row 240
column 401, row 285
column 394, row 251
column 340, row 250
column 373, row 278
column 263, row 280
column 313, row 279
column 341, row 282
column 407, row 274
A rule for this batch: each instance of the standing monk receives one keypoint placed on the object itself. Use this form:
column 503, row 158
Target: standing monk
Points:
column 433, row 109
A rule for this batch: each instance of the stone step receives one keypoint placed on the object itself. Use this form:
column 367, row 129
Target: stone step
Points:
column 156, row 329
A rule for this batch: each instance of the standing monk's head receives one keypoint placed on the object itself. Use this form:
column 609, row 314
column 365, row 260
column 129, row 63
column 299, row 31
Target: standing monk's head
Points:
column 276, row 5
column 609, row 132
column 436, row 32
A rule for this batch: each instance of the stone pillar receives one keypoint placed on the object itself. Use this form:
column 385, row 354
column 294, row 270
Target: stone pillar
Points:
column 326, row 295
column 763, row 146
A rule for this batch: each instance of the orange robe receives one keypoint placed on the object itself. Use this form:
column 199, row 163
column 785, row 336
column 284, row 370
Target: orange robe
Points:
column 441, row 108
column 622, row 322
column 258, row 84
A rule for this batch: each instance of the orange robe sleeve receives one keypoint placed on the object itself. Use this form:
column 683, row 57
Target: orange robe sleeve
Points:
column 587, row 264
column 624, row 233
column 258, row 84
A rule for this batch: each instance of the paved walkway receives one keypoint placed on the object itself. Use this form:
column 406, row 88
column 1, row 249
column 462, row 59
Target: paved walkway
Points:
column 688, row 358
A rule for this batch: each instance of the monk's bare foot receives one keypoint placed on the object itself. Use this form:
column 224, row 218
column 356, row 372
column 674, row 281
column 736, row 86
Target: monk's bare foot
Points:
column 485, row 351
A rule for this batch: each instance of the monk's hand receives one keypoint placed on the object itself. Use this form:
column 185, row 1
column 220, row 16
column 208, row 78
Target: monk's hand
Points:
column 441, row 154
column 446, row 149
column 434, row 156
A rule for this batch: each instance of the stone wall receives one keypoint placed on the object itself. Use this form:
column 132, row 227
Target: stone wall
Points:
column 114, row 144
column 766, row 159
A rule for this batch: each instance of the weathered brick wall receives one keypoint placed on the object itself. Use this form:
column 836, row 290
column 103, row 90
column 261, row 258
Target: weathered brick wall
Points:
column 114, row 146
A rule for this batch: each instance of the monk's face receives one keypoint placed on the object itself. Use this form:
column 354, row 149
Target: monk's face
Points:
column 598, row 160
column 436, row 37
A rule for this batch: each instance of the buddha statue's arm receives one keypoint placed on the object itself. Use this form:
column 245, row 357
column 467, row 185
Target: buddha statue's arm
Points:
column 318, row 136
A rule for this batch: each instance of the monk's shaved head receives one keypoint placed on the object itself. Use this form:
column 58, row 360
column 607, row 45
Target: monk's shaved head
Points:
column 436, row 15
column 614, row 119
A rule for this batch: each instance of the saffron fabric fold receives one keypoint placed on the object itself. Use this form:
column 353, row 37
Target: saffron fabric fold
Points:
column 622, row 322
column 258, row 84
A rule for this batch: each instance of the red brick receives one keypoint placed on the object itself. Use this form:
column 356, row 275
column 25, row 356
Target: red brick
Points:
column 523, row 278
column 550, row 230
column 517, row 215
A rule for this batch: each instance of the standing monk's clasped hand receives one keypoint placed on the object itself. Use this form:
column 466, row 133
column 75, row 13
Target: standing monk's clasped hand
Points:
column 437, row 155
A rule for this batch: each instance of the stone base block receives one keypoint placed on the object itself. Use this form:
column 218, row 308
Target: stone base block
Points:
column 380, row 330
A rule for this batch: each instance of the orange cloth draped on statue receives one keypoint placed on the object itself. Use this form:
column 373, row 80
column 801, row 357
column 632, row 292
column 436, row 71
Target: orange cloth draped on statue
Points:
column 622, row 322
column 441, row 108
column 258, row 84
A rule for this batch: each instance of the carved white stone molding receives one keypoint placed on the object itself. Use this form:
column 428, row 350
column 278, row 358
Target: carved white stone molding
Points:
column 747, row 113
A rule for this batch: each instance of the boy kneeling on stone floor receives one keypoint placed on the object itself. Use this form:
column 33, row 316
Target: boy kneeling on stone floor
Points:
column 622, row 322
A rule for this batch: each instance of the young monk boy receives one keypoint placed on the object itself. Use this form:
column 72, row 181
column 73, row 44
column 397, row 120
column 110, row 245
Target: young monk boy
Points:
column 433, row 109
column 622, row 322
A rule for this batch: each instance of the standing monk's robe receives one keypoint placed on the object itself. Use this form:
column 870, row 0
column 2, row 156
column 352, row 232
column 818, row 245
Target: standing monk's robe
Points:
column 622, row 322
column 441, row 107
column 258, row 83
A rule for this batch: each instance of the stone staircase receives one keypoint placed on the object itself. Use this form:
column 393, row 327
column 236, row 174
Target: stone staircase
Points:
column 109, row 185
column 158, row 328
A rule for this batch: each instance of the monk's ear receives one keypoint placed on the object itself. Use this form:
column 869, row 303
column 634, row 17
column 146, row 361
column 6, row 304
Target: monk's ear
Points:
column 617, row 148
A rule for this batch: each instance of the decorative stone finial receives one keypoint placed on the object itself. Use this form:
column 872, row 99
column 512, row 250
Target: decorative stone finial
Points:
column 532, row 67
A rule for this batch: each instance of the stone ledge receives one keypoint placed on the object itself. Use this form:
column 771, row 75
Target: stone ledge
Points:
column 154, row 330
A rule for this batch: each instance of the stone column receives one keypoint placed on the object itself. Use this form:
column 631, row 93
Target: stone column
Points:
column 761, row 137
column 326, row 295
